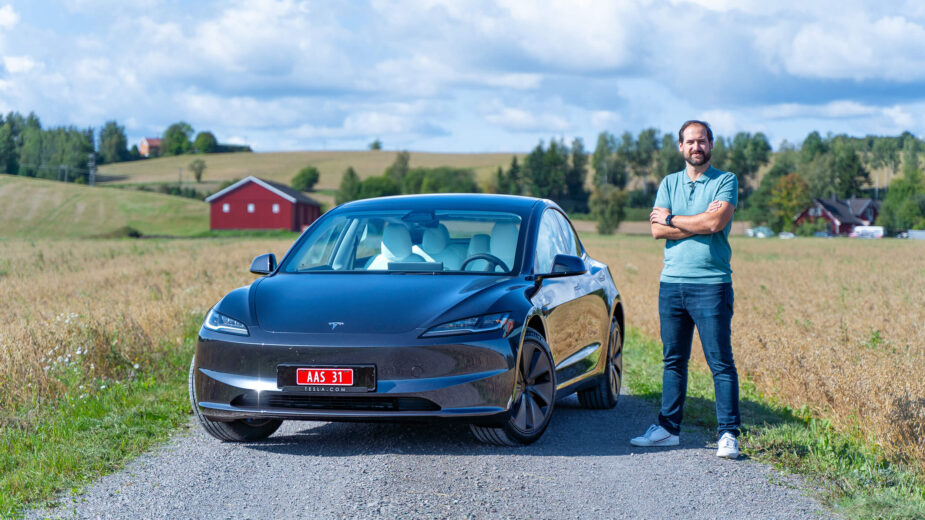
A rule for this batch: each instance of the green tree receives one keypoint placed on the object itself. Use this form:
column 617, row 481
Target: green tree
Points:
column 306, row 179
column 399, row 167
column 904, row 205
column 176, row 140
column 349, row 186
column 789, row 197
column 812, row 147
column 198, row 166
column 380, row 186
column 575, row 176
column 759, row 208
column 205, row 143
column 607, row 206
column 113, row 143
column 9, row 160
column 508, row 181
column 669, row 159
column 376, row 144
column 609, row 168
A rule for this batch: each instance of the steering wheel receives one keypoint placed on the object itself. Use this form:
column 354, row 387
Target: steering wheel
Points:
column 492, row 260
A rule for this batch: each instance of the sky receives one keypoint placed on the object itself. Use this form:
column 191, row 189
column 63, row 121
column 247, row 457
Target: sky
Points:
column 461, row 75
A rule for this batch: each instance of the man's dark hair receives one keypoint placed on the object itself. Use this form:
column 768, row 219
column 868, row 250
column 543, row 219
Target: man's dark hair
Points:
column 695, row 122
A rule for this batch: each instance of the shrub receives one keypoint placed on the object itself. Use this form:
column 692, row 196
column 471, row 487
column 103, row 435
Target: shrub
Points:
column 306, row 179
column 607, row 207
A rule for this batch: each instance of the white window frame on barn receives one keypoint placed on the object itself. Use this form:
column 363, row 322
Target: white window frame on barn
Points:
column 226, row 208
column 275, row 208
column 250, row 207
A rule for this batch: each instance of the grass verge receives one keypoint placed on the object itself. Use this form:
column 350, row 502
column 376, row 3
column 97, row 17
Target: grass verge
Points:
column 93, row 430
column 856, row 479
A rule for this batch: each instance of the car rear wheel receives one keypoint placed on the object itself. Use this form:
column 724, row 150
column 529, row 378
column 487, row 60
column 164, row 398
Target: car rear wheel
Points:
column 241, row 430
column 605, row 393
column 534, row 398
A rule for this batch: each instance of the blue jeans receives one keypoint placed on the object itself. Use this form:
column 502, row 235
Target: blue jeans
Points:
column 681, row 306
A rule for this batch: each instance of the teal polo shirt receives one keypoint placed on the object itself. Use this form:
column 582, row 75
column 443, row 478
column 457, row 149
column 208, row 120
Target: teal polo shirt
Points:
column 700, row 258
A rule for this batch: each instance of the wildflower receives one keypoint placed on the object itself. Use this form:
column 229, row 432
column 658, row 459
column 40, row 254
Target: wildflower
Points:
column 102, row 387
column 135, row 366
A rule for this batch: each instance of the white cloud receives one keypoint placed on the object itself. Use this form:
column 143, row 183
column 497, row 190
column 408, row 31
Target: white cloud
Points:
column 521, row 120
column 833, row 109
column 852, row 46
column 20, row 64
column 8, row 17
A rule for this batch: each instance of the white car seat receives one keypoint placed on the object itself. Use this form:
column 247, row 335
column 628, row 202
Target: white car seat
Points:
column 478, row 244
column 396, row 247
column 434, row 248
column 504, row 244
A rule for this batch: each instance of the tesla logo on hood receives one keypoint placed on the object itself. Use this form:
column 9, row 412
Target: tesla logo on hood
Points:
column 335, row 324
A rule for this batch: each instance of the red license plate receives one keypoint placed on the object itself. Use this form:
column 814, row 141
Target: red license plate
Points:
column 324, row 376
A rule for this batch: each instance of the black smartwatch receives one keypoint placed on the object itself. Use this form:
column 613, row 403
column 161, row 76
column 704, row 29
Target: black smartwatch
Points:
column 668, row 219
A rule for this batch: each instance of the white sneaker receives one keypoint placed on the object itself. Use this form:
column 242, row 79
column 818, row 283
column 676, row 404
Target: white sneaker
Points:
column 728, row 446
column 655, row 436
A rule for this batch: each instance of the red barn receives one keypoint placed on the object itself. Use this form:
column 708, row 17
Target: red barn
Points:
column 254, row 203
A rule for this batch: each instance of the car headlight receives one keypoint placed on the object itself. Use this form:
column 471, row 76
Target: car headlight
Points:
column 484, row 323
column 220, row 323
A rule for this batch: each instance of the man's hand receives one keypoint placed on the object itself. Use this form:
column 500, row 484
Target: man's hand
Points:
column 659, row 215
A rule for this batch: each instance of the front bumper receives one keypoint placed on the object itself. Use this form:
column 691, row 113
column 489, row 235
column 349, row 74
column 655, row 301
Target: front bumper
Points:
column 236, row 377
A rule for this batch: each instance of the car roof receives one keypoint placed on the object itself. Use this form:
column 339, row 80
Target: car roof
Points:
column 468, row 201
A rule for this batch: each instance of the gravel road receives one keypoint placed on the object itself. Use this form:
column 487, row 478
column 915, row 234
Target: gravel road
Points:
column 583, row 467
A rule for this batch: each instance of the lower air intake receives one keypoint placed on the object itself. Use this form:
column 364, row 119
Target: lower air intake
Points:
column 347, row 403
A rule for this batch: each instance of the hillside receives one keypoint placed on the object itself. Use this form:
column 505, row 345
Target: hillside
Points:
column 282, row 166
column 34, row 207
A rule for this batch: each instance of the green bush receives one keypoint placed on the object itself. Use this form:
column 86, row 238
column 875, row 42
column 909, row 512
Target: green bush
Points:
column 607, row 206
column 306, row 179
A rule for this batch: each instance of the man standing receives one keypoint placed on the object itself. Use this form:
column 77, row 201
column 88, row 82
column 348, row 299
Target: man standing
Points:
column 693, row 213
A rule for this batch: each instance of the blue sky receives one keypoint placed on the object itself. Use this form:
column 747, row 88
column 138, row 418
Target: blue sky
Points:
column 465, row 76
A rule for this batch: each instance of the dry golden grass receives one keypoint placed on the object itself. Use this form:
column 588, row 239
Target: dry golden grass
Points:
column 101, row 306
column 835, row 324
column 282, row 166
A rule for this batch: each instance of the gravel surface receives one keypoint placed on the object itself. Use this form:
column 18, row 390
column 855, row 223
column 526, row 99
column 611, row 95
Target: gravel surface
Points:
column 583, row 467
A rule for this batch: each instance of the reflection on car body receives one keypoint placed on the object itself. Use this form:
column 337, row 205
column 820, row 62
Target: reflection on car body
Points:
column 481, row 308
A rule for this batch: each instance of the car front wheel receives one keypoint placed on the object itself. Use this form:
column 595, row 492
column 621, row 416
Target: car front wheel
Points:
column 241, row 430
column 534, row 397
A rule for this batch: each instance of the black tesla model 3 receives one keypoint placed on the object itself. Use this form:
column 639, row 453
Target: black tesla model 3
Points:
column 480, row 308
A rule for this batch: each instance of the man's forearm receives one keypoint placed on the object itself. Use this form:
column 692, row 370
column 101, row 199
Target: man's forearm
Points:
column 660, row 231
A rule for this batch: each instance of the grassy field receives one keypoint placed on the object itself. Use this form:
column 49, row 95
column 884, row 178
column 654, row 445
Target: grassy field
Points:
column 282, row 166
column 41, row 208
column 834, row 324
column 99, row 328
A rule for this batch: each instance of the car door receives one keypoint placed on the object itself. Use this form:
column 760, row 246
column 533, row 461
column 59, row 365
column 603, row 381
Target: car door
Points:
column 572, row 319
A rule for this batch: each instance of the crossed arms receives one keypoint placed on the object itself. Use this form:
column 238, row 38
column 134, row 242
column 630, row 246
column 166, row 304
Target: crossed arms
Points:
column 714, row 219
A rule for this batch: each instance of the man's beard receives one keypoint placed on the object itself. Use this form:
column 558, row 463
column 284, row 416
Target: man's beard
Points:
column 704, row 159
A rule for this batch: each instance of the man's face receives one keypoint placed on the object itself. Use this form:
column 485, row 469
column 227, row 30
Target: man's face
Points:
column 696, row 146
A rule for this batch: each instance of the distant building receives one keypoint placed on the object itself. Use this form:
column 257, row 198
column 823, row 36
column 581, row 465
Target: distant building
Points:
column 254, row 203
column 842, row 215
column 149, row 146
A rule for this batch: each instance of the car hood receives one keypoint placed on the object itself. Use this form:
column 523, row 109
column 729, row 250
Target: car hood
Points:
column 369, row 303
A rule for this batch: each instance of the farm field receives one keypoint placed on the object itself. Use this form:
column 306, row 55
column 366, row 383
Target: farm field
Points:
column 834, row 324
column 49, row 209
column 282, row 166
column 818, row 322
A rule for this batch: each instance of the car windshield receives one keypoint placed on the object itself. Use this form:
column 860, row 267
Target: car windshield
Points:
column 419, row 241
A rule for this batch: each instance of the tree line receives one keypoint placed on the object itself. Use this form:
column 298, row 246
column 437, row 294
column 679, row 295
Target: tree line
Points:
column 66, row 153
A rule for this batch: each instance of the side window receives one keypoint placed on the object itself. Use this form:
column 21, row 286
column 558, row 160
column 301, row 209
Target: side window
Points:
column 571, row 239
column 550, row 241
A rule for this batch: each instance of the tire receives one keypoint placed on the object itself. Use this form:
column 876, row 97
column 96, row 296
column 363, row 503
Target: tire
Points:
column 534, row 398
column 605, row 393
column 240, row 430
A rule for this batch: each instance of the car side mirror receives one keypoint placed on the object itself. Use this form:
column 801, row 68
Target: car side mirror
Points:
column 566, row 265
column 264, row 264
